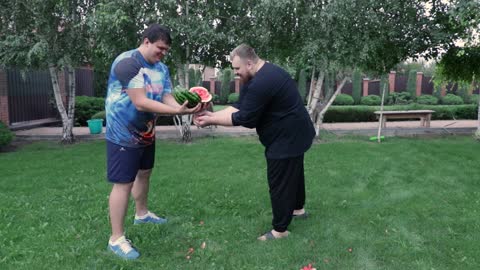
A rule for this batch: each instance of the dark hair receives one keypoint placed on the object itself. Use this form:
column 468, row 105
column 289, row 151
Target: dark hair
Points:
column 155, row 32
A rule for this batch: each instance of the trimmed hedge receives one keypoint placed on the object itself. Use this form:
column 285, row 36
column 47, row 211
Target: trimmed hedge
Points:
column 427, row 100
column 232, row 98
column 473, row 99
column 6, row 135
column 85, row 107
column 366, row 113
column 343, row 99
column 451, row 99
column 371, row 100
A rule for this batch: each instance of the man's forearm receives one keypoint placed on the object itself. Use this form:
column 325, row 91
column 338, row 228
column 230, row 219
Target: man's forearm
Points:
column 224, row 117
column 148, row 105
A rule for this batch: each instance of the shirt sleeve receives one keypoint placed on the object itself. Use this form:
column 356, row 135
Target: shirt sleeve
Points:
column 256, row 97
column 130, row 73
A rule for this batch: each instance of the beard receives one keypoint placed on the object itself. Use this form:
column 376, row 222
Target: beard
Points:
column 245, row 78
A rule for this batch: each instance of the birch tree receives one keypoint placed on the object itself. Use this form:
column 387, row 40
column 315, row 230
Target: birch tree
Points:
column 47, row 34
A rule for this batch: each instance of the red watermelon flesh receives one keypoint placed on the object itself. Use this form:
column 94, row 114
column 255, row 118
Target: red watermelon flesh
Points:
column 202, row 92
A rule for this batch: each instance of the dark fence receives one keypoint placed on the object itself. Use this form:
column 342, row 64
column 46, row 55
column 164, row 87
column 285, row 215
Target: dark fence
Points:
column 30, row 96
column 84, row 79
column 374, row 87
column 401, row 83
column 427, row 86
column 347, row 88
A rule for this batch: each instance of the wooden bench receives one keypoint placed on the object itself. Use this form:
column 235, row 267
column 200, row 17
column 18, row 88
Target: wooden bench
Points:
column 423, row 115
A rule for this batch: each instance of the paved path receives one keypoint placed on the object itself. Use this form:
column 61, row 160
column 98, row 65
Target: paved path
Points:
column 396, row 128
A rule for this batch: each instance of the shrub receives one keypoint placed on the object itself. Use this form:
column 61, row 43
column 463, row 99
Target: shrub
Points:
column 343, row 99
column 412, row 82
column 371, row 100
column 400, row 98
column 427, row 100
column 226, row 78
column 100, row 115
column 357, row 113
column 85, row 107
column 215, row 98
column 232, row 98
column 6, row 136
column 356, row 86
column 366, row 113
column 451, row 99
column 473, row 99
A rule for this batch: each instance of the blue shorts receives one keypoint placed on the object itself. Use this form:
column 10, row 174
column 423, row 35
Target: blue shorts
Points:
column 123, row 162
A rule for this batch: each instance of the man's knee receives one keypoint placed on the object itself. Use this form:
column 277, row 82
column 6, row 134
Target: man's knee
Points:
column 144, row 174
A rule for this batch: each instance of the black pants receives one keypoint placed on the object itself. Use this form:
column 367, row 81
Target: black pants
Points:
column 286, row 180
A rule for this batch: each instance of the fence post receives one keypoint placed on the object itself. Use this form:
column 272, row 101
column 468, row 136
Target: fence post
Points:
column 365, row 86
column 391, row 81
column 4, row 116
column 419, row 84
column 237, row 84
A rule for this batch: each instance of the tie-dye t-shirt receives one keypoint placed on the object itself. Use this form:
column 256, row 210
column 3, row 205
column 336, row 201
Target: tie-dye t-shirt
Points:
column 126, row 125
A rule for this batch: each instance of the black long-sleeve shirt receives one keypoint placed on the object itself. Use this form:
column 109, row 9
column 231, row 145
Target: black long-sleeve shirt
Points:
column 271, row 103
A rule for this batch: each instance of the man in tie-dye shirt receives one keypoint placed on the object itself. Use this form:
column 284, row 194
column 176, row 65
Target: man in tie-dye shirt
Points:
column 139, row 87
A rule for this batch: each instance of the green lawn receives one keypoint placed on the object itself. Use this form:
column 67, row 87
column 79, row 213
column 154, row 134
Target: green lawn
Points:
column 402, row 204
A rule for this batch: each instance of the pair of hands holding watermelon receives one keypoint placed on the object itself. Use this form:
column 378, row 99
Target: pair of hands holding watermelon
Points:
column 194, row 96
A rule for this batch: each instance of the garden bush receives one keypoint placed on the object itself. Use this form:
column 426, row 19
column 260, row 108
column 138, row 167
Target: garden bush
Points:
column 399, row 98
column 473, row 99
column 427, row 100
column 232, row 98
column 343, row 99
column 357, row 113
column 100, row 115
column 451, row 99
column 6, row 136
column 356, row 86
column 371, row 100
column 85, row 107
column 215, row 98
column 366, row 113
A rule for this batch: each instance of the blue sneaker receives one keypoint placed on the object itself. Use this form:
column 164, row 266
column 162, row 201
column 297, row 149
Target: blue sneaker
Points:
column 149, row 217
column 123, row 248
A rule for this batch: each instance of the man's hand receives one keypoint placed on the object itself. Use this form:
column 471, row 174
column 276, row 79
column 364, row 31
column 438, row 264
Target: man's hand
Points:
column 185, row 110
column 203, row 119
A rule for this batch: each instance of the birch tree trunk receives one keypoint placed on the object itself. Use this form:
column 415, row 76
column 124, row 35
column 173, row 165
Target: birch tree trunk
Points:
column 316, row 96
column 321, row 114
column 183, row 122
column 380, row 119
column 477, row 133
column 310, row 91
column 67, row 122
column 181, row 75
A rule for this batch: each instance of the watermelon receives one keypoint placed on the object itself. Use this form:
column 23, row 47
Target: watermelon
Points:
column 184, row 95
column 202, row 92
